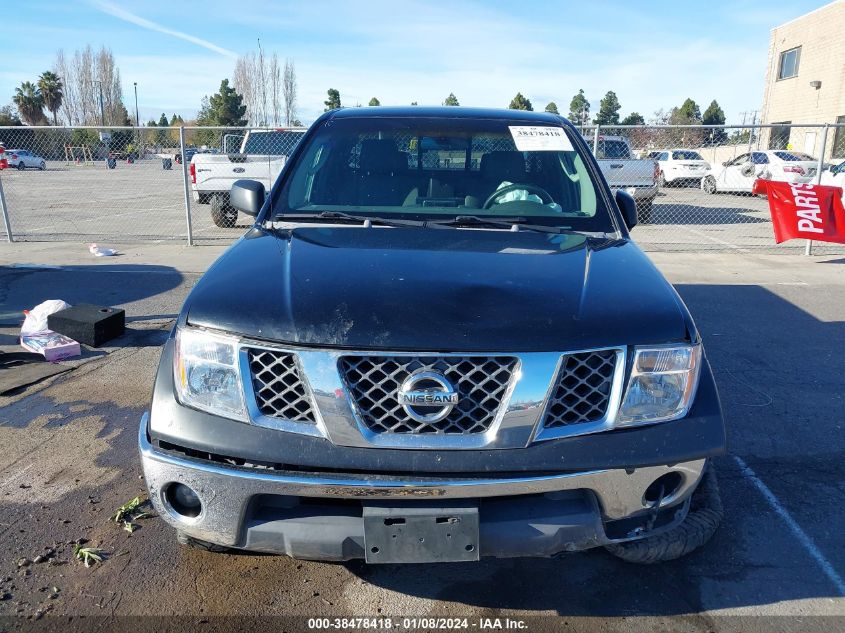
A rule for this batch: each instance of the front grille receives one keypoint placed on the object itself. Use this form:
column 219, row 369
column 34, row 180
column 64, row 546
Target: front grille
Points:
column 278, row 386
column 582, row 389
column 481, row 381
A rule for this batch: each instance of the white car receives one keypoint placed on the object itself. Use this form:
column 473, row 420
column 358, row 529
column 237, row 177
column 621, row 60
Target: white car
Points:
column 23, row 158
column 739, row 174
column 677, row 165
column 834, row 176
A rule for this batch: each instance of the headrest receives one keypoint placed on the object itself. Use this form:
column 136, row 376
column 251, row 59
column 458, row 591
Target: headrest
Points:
column 381, row 156
column 503, row 165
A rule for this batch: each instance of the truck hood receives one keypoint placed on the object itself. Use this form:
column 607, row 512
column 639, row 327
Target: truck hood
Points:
column 437, row 290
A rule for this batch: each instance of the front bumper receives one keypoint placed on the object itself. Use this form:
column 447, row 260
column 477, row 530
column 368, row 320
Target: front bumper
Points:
column 319, row 515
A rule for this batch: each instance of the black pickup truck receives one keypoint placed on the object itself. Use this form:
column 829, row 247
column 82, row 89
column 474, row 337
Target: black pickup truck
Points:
column 437, row 342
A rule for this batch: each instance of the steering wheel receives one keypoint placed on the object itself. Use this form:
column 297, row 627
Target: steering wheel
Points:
column 545, row 196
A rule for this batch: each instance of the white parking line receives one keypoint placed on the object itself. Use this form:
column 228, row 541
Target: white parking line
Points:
column 800, row 534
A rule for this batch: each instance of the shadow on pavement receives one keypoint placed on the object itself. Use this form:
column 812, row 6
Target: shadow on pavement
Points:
column 110, row 285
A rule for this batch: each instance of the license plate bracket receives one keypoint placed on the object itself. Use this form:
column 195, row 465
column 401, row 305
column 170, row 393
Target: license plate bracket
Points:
column 419, row 534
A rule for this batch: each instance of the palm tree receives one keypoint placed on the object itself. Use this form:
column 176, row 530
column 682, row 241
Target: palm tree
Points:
column 50, row 85
column 29, row 102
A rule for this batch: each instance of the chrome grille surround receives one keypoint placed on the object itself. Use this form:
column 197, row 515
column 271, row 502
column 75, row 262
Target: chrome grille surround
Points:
column 483, row 383
column 582, row 389
column 585, row 394
column 276, row 391
column 518, row 421
column 278, row 386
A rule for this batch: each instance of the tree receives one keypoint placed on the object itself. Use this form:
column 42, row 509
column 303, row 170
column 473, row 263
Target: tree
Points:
column 8, row 116
column 688, row 113
column 451, row 100
column 333, row 102
column 714, row 115
column 635, row 118
column 374, row 102
column 84, row 77
column 552, row 107
column 608, row 110
column 289, row 93
column 50, row 85
column 29, row 103
column 162, row 137
column 579, row 109
column 520, row 102
column 226, row 107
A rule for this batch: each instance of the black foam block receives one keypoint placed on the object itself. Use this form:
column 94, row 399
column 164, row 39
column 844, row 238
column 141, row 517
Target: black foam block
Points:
column 89, row 324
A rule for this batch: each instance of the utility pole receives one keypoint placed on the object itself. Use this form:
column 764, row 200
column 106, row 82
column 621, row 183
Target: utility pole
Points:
column 137, row 122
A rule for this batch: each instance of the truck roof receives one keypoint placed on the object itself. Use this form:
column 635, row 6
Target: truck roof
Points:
column 459, row 112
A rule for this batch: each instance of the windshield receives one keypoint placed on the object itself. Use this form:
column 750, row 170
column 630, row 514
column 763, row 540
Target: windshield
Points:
column 686, row 154
column 440, row 168
column 793, row 156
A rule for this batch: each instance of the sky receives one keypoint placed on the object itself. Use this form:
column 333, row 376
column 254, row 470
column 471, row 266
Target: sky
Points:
column 653, row 54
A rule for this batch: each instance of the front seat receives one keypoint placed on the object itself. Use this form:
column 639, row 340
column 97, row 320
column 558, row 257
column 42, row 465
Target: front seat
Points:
column 498, row 167
column 383, row 177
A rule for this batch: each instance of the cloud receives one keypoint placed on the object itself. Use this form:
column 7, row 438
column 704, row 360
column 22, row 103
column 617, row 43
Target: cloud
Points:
column 126, row 16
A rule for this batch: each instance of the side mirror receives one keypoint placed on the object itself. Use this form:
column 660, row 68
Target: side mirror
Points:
column 247, row 196
column 628, row 207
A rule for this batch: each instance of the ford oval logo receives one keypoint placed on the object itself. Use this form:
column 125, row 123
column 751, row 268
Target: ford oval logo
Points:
column 427, row 396
column 239, row 170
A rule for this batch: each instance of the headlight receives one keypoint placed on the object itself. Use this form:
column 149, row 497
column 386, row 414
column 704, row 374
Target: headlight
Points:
column 662, row 384
column 205, row 368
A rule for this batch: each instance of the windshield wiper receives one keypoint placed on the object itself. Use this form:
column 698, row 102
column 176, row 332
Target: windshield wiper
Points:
column 339, row 215
column 515, row 223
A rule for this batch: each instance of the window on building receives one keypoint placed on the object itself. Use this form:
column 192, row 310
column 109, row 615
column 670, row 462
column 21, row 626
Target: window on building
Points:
column 779, row 135
column 789, row 63
column 839, row 138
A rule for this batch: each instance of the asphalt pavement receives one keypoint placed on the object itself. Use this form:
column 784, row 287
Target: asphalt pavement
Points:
column 773, row 330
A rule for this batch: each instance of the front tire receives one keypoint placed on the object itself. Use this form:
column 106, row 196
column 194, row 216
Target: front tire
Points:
column 21, row 166
column 703, row 519
column 708, row 185
column 222, row 213
column 42, row 166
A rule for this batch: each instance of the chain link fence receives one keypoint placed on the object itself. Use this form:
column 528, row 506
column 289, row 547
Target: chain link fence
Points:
column 692, row 183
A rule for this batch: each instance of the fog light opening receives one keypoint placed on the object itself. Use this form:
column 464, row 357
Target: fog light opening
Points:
column 183, row 501
column 663, row 488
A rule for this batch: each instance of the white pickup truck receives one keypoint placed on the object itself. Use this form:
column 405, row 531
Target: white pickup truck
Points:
column 622, row 171
column 261, row 157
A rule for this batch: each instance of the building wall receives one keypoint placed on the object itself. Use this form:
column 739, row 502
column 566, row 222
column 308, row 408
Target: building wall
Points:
column 821, row 36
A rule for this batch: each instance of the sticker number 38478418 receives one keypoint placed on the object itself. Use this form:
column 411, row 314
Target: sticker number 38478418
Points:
column 540, row 138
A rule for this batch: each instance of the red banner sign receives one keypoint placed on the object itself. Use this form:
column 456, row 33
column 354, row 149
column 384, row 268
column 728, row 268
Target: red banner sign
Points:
column 805, row 211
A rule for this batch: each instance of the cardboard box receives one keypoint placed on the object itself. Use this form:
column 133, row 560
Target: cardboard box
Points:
column 53, row 346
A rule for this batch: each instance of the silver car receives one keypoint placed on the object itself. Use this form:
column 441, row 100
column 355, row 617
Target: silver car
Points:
column 23, row 158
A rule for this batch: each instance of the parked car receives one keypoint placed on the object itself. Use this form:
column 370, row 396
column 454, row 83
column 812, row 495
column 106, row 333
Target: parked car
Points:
column 834, row 176
column 24, row 159
column 739, row 174
column 679, row 165
column 435, row 360
column 637, row 176
column 262, row 156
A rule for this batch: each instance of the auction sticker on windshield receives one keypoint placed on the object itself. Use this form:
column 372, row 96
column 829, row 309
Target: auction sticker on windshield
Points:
column 540, row 138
